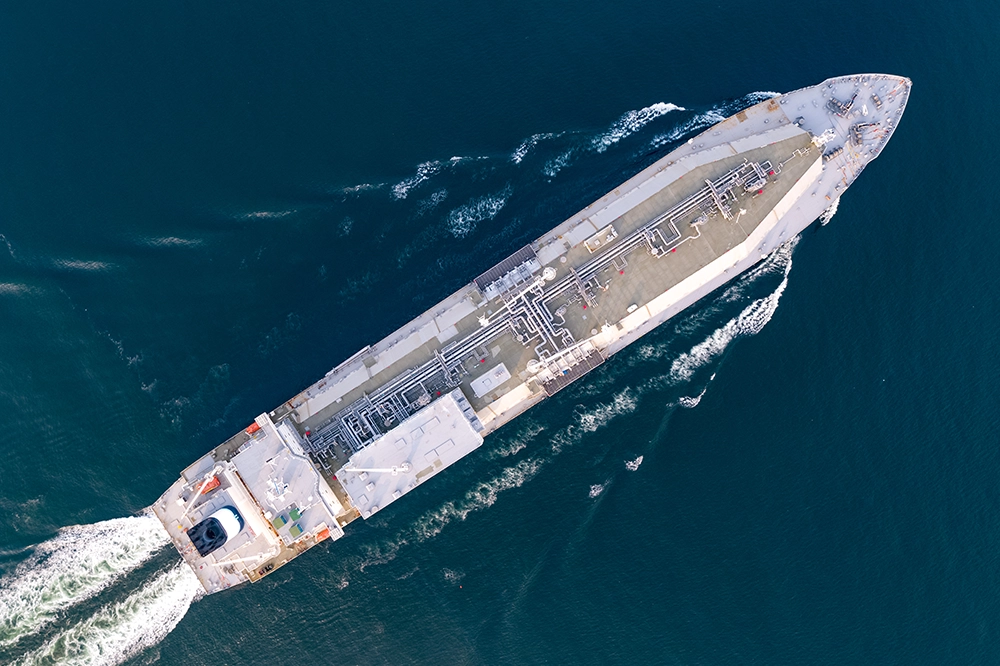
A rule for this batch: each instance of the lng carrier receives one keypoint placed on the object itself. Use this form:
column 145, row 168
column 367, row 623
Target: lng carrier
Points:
column 400, row 411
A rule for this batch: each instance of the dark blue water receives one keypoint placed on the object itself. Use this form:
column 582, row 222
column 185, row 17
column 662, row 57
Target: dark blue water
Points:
column 205, row 206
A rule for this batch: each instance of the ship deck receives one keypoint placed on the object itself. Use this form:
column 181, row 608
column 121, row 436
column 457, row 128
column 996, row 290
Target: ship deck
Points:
column 613, row 276
column 647, row 276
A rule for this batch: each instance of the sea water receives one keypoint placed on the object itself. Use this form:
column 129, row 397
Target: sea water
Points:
column 205, row 207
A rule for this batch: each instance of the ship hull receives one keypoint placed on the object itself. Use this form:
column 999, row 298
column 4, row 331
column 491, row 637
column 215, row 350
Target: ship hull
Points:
column 402, row 410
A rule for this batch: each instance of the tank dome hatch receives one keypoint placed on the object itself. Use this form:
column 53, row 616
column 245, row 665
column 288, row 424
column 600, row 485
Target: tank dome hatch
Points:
column 213, row 532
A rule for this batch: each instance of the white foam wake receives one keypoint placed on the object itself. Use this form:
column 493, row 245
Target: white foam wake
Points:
column 689, row 325
column 15, row 289
column 556, row 164
column 431, row 202
column 691, row 401
column 424, row 171
column 528, row 144
column 828, row 214
column 354, row 190
column 85, row 265
column 525, row 435
column 268, row 214
column 698, row 122
column 632, row 122
column 10, row 248
column 714, row 115
column 486, row 493
column 453, row 576
column 73, row 566
column 511, row 449
column 750, row 321
column 464, row 219
column 776, row 263
column 125, row 628
column 170, row 241
column 623, row 402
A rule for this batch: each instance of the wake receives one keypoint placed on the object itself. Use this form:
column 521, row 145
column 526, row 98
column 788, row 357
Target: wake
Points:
column 75, row 565
column 79, row 564
column 39, row 598
column 125, row 628
column 630, row 123
column 484, row 494
column 828, row 214
column 749, row 322
column 714, row 115
column 83, row 561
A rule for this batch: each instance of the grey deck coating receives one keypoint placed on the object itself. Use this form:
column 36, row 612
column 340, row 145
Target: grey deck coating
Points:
column 644, row 278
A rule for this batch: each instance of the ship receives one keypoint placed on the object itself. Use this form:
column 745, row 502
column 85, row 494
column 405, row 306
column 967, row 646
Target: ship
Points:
column 400, row 411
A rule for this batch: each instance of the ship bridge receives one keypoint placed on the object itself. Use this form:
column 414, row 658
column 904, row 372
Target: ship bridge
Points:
column 285, row 504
